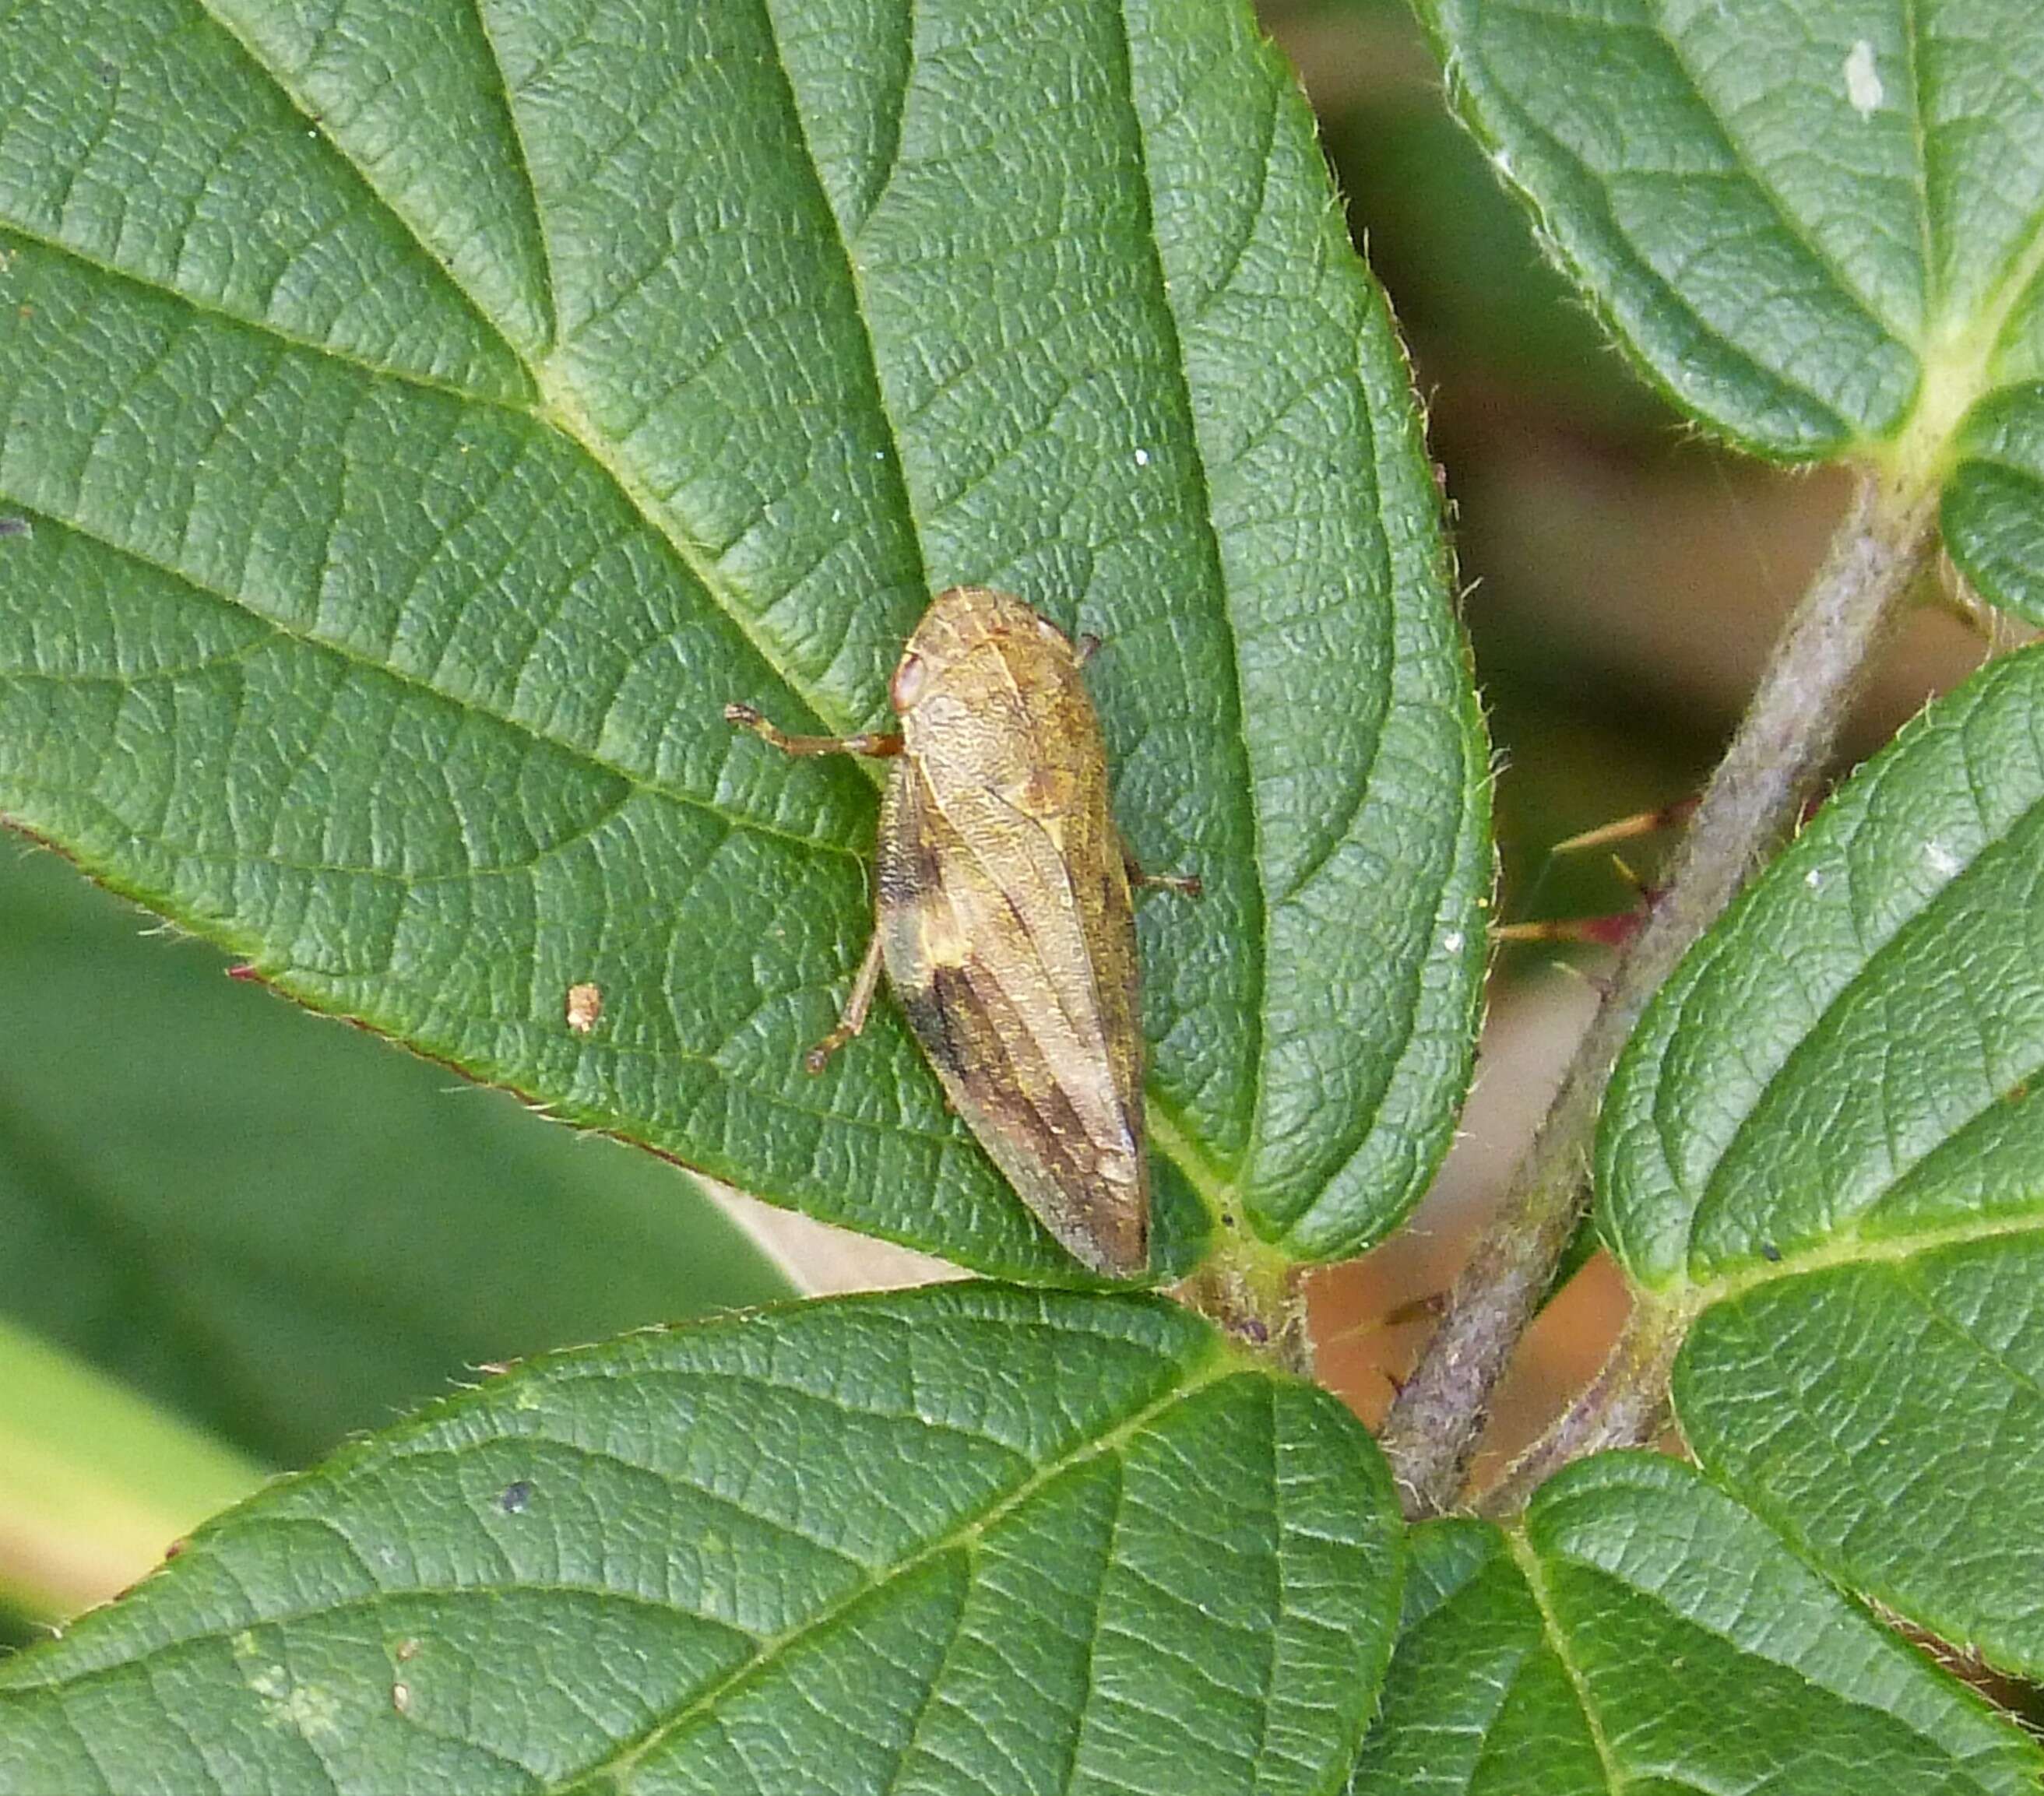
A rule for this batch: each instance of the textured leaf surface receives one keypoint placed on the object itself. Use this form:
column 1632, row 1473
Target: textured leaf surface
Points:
column 1818, row 224
column 277, row 1226
column 1827, row 1137
column 970, row 1539
column 421, row 422
column 1645, row 1633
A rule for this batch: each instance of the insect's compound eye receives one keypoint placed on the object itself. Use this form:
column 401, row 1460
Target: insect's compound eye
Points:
column 909, row 681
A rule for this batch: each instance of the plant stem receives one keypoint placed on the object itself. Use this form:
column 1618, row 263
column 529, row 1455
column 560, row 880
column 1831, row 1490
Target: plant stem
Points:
column 1753, row 799
column 1625, row 1406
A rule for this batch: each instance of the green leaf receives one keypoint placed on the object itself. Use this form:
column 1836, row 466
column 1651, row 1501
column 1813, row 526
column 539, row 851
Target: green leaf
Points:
column 1826, row 1140
column 1474, row 295
column 1818, row 224
column 424, row 422
column 1994, row 508
column 1644, row 1633
column 906, row 1543
column 279, row 1228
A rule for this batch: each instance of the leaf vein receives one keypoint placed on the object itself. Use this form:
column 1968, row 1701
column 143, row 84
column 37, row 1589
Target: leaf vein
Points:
column 1210, row 1367
column 356, row 658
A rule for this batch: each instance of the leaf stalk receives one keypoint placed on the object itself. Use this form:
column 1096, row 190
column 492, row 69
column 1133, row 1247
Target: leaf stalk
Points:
column 1626, row 1405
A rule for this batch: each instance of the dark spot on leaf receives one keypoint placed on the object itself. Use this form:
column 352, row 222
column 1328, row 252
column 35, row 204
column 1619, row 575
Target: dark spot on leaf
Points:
column 1770, row 1254
column 516, row 1497
column 16, row 526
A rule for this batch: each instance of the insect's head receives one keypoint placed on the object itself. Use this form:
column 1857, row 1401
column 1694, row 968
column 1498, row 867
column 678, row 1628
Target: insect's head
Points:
column 959, row 620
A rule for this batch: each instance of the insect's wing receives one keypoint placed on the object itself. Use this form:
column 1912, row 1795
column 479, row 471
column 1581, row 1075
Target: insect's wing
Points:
column 1098, row 873
column 989, row 947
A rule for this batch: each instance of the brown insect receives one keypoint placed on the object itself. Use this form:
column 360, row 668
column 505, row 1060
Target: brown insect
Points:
column 1003, row 914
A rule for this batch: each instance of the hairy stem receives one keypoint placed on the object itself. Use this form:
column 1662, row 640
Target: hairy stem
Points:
column 1626, row 1405
column 1753, row 799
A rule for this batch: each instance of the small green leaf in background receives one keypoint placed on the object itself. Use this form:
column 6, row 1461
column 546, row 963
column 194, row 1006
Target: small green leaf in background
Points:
column 1826, row 1141
column 94, row 1483
column 277, row 1227
column 872, row 1545
column 1643, row 1632
column 1818, row 224
column 422, row 423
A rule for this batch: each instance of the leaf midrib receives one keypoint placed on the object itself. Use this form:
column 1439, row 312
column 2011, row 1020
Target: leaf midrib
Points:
column 1533, row 1570
column 1258, row 932
column 1843, row 1250
column 1658, row 1599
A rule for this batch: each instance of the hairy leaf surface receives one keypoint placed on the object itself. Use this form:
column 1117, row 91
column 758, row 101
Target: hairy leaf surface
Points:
column 1641, row 1632
column 875, row 1545
column 1826, row 1141
column 1817, row 225
column 416, row 422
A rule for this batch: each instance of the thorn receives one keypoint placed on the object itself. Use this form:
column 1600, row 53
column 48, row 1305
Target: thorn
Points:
column 1626, row 829
column 1613, row 931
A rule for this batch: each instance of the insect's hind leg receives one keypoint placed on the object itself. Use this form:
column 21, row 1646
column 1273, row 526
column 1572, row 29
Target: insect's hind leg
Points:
column 875, row 743
column 852, row 1019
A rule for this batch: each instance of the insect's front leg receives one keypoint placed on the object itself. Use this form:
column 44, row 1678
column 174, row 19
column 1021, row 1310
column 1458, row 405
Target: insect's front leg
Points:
column 875, row 743
column 851, row 1019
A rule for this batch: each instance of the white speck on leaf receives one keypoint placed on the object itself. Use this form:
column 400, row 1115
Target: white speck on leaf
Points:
column 1863, row 86
column 1452, row 942
column 1501, row 161
column 1942, row 859
column 1143, row 457
column 1814, row 878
